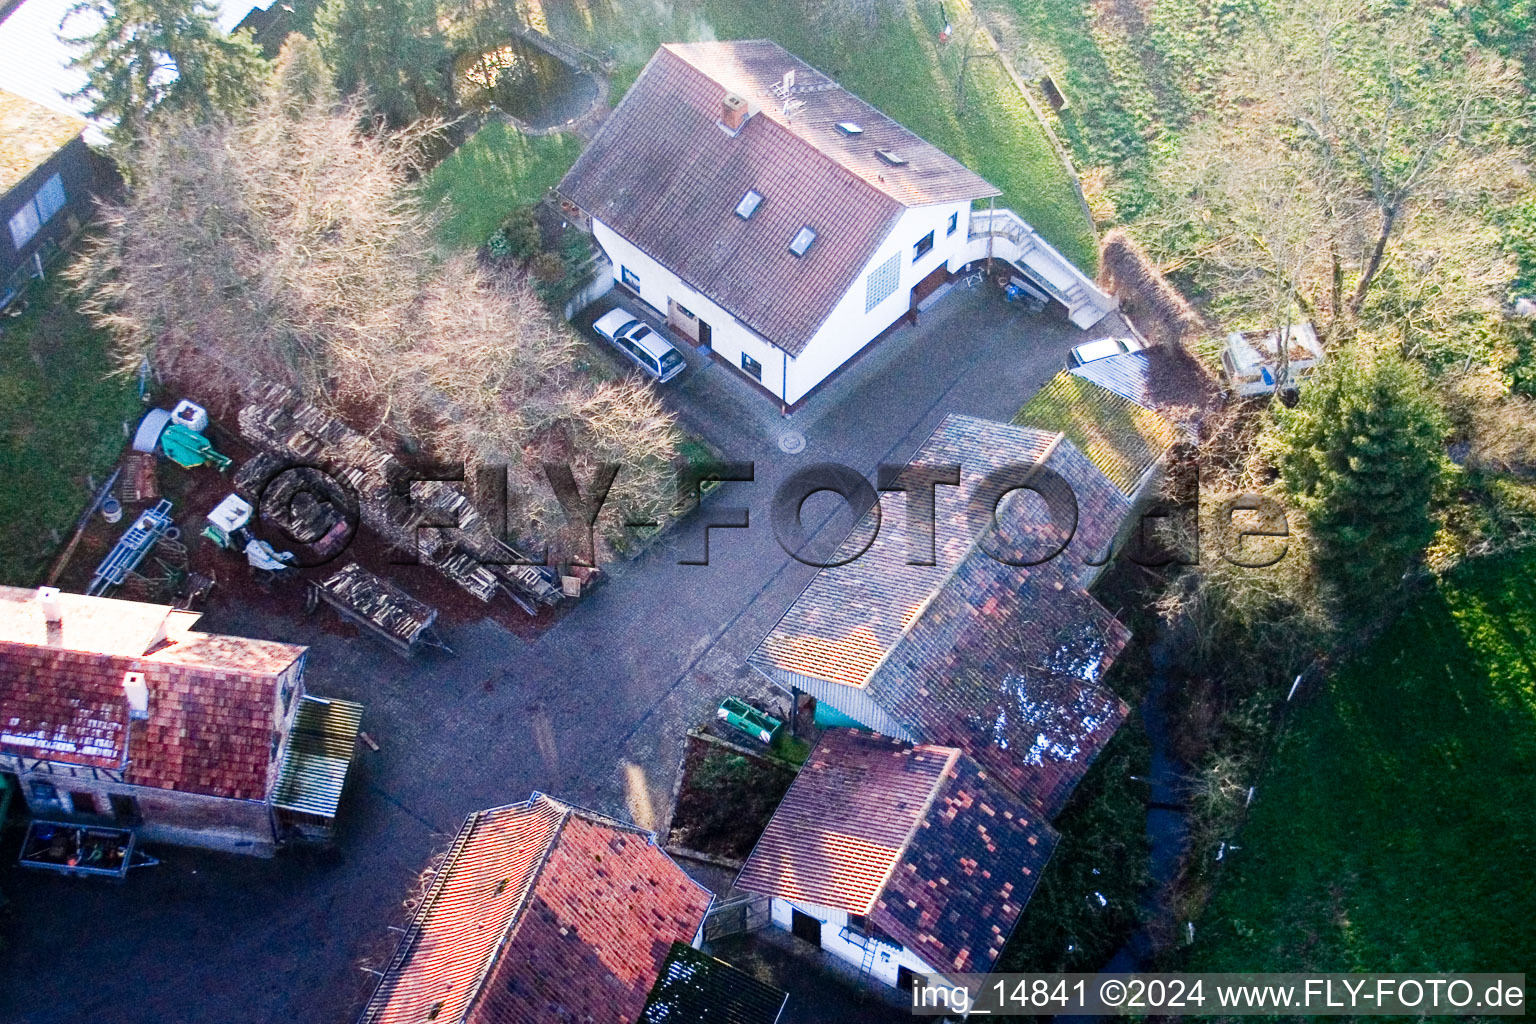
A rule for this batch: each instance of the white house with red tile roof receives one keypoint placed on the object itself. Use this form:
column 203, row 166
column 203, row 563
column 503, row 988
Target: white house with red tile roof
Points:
column 907, row 862
column 541, row 912
column 781, row 222
column 118, row 712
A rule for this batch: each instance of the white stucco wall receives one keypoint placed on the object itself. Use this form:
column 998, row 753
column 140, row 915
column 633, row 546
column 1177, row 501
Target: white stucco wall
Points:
column 846, row 330
column 888, row 957
column 730, row 337
column 849, row 328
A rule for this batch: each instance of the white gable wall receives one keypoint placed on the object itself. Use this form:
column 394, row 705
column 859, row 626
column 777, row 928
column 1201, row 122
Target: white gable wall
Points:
column 849, row 328
column 730, row 337
column 849, row 947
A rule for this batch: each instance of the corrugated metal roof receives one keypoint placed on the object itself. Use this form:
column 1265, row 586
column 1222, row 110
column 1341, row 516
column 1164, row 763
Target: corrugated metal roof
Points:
column 319, row 754
column 1122, row 438
column 1165, row 378
column 695, row 988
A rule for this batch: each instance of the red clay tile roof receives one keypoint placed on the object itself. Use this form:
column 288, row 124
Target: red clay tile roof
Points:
column 1005, row 664
column 1002, row 661
column 213, row 706
column 838, row 833
column 665, row 176
column 916, row 837
column 542, row 912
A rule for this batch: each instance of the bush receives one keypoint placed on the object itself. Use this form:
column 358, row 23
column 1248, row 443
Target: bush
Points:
column 548, row 267
column 522, row 233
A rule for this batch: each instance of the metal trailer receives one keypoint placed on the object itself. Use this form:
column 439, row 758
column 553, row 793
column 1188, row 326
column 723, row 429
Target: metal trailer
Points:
column 131, row 547
column 381, row 607
column 745, row 718
column 81, row 849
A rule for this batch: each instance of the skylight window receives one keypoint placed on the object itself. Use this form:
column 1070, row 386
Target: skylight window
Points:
column 891, row 157
column 801, row 243
column 849, row 128
column 749, row 204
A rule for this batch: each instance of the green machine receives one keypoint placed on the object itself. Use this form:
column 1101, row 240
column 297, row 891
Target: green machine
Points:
column 189, row 449
column 745, row 718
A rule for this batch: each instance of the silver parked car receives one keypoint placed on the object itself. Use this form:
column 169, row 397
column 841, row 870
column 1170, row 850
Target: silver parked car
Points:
column 1101, row 349
column 657, row 357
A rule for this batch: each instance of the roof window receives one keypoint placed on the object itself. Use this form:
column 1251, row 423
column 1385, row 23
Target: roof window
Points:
column 849, row 128
column 891, row 157
column 749, row 204
column 801, row 243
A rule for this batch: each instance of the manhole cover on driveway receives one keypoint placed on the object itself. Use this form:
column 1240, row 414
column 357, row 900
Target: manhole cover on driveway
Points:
column 792, row 442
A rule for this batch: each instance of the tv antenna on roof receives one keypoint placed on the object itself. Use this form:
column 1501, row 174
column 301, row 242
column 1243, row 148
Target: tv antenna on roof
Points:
column 784, row 91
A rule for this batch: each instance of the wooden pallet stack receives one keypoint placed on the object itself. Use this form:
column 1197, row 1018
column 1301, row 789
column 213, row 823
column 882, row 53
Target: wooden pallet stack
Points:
column 392, row 502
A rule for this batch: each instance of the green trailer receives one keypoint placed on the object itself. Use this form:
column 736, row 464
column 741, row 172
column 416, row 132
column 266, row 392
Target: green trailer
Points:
column 745, row 718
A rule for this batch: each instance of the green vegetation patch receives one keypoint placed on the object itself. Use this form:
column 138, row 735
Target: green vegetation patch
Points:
column 496, row 171
column 1120, row 437
column 1395, row 831
column 61, row 420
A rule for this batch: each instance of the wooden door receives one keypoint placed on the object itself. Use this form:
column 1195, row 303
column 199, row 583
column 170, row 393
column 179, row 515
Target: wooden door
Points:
column 804, row 926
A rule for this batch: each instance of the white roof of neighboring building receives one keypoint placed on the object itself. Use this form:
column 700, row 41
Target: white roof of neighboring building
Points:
column 97, row 625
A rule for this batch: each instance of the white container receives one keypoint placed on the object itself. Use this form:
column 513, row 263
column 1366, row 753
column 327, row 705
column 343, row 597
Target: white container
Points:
column 190, row 415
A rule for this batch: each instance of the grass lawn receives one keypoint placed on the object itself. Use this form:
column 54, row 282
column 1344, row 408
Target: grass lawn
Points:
column 492, row 174
column 901, row 68
column 61, row 419
column 1396, row 830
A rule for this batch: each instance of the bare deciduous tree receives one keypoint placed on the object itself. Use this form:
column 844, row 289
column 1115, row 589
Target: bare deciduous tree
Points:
column 1340, row 134
column 288, row 246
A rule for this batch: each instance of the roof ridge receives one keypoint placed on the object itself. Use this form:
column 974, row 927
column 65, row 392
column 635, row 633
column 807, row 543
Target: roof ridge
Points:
column 515, row 919
column 922, row 609
column 922, row 815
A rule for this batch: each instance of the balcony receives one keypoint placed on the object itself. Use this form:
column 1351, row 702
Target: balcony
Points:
column 1003, row 235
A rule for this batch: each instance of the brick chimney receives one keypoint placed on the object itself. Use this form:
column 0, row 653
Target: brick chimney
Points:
column 733, row 112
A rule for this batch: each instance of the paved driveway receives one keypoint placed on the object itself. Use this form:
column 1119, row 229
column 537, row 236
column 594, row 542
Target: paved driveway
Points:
column 591, row 710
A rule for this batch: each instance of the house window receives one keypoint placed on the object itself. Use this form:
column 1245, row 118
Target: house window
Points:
column 630, row 278
column 908, row 979
column 882, row 281
column 44, row 793
column 923, row 247
column 749, row 204
column 82, row 803
column 752, row 366
column 29, row 220
column 954, row 222
column 124, row 808
column 801, row 243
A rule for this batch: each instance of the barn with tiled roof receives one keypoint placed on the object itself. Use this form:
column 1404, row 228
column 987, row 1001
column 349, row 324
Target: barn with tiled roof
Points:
column 904, row 860
column 119, row 712
column 540, row 912
column 995, row 647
